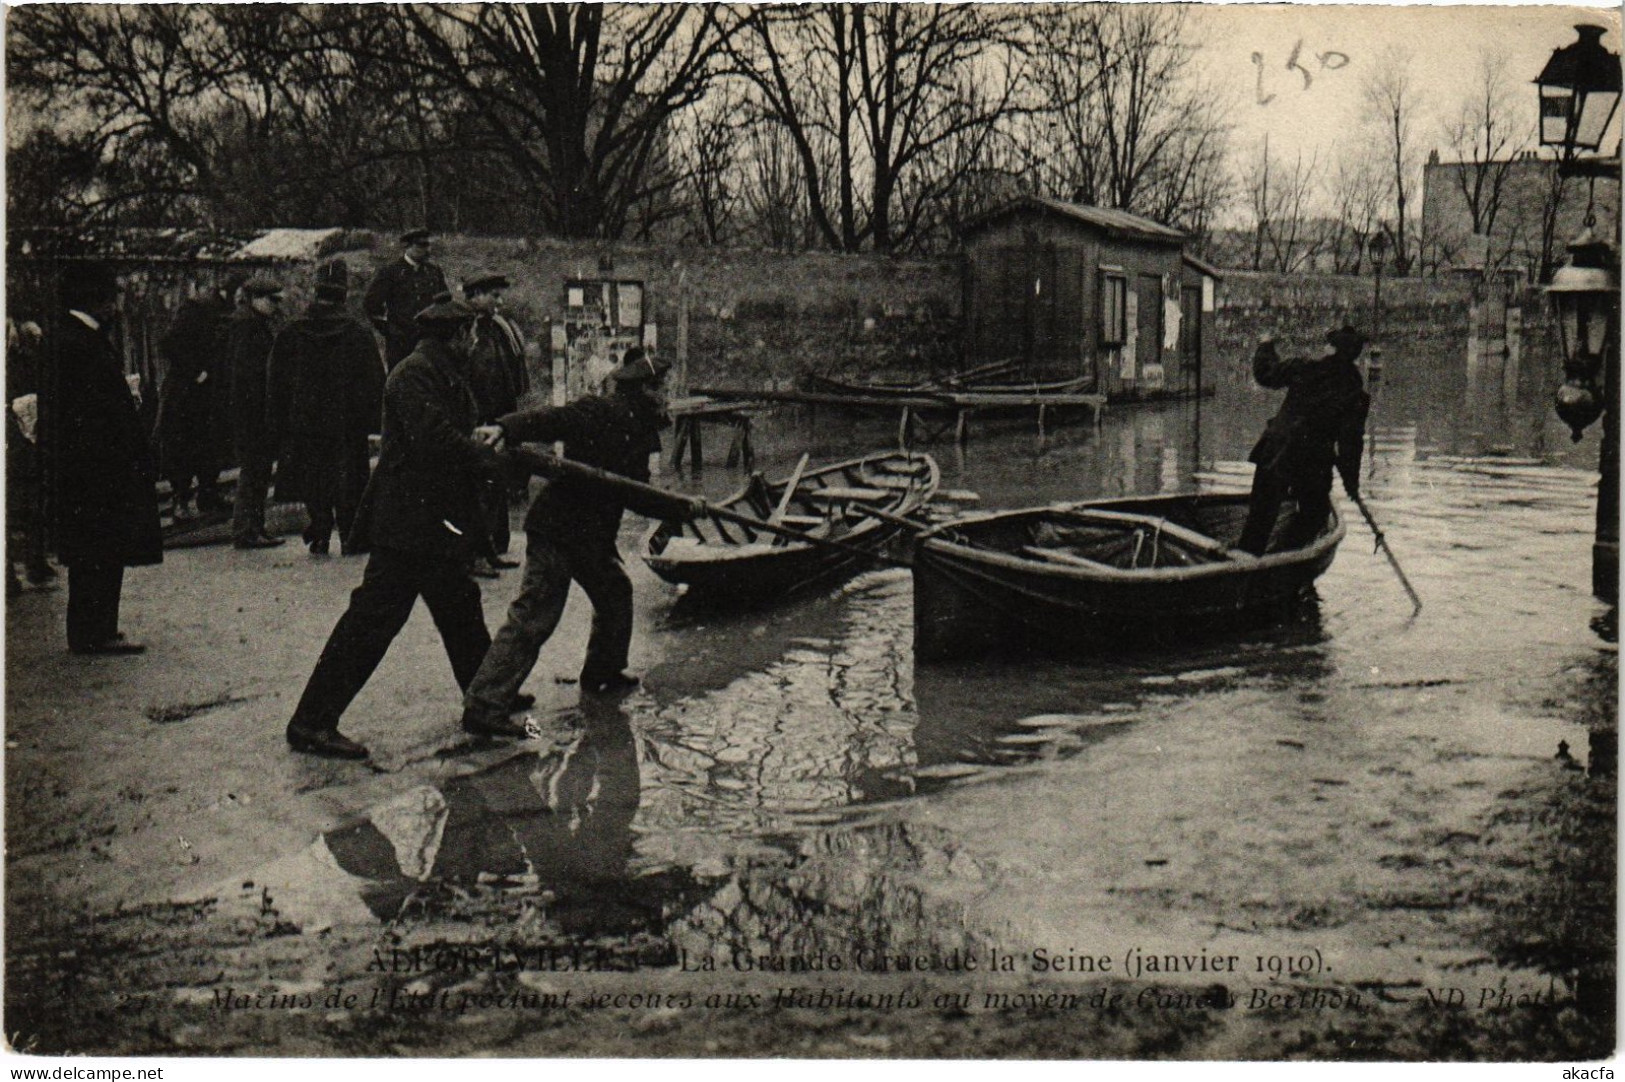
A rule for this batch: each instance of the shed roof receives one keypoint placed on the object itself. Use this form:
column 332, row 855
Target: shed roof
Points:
column 1117, row 222
column 1202, row 265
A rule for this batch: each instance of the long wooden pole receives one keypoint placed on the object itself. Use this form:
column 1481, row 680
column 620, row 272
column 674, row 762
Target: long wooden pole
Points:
column 1382, row 546
column 673, row 507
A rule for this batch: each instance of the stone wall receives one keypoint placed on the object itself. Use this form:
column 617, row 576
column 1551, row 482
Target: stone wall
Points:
column 755, row 318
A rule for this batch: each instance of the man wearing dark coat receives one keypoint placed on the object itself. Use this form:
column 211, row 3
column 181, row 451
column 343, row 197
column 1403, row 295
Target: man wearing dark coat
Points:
column 192, row 398
column 250, row 334
column 1320, row 426
column 106, row 504
column 326, row 394
column 399, row 291
column 419, row 521
column 570, row 536
column 497, row 374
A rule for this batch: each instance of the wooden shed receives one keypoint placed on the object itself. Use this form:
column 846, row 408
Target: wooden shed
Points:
column 1074, row 290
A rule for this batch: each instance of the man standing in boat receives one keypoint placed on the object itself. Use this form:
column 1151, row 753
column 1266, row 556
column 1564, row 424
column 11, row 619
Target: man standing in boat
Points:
column 1320, row 426
column 570, row 536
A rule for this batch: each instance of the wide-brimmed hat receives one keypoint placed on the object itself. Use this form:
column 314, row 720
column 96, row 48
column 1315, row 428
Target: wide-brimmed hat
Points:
column 446, row 313
column 639, row 365
column 484, row 283
column 416, row 236
column 1346, row 339
column 262, row 285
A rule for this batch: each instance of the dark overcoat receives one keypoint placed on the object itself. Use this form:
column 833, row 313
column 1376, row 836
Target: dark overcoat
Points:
column 397, row 293
column 496, row 367
column 616, row 432
column 249, row 337
column 1321, row 424
column 189, row 411
column 325, row 385
column 105, row 499
column 424, row 496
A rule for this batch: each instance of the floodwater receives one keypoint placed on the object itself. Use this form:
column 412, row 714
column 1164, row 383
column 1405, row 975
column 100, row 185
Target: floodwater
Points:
column 789, row 784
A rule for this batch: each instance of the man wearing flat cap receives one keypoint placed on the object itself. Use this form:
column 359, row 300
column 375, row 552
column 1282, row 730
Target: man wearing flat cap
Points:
column 105, row 501
column 1320, row 426
column 419, row 520
column 401, row 290
column 570, row 537
column 250, row 333
column 497, row 373
column 327, row 386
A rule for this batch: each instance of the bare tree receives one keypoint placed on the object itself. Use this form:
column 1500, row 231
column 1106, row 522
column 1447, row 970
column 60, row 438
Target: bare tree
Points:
column 576, row 97
column 1127, row 123
column 868, row 93
column 1390, row 106
column 1357, row 188
column 1485, row 141
column 1279, row 199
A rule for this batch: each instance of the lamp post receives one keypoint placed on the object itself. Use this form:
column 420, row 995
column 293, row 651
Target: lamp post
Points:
column 1378, row 247
column 1579, row 94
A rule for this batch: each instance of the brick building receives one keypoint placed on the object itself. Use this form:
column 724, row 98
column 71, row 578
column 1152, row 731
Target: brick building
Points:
column 1535, row 214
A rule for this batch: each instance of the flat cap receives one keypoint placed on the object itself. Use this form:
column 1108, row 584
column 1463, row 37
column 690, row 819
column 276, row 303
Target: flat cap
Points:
column 485, row 282
column 446, row 313
column 415, row 236
column 637, row 365
column 262, row 285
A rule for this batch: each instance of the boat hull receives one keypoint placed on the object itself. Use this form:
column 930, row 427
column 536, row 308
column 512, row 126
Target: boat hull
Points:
column 971, row 601
column 766, row 568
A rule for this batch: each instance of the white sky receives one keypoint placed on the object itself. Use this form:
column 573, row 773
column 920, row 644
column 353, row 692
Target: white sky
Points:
column 1445, row 42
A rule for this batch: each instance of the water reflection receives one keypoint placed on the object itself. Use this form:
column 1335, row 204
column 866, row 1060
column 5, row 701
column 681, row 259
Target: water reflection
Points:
column 798, row 785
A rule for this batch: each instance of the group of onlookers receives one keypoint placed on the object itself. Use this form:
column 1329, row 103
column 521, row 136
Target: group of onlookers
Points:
column 293, row 401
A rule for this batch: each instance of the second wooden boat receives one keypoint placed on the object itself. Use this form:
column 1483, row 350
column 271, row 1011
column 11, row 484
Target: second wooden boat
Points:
column 719, row 560
column 1101, row 575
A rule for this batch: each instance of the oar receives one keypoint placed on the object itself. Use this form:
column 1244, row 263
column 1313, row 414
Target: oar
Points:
column 789, row 492
column 672, row 507
column 1382, row 546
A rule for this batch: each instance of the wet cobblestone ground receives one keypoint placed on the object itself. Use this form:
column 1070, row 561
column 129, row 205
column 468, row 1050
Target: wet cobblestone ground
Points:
column 1319, row 836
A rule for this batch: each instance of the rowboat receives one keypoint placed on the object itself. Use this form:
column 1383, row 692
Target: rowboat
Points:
column 1074, row 578
column 951, row 391
column 727, row 559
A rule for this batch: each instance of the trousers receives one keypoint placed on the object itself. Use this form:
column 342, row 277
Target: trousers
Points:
column 379, row 608
column 94, row 591
column 551, row 564
column 248, row 511
column 1310, row 490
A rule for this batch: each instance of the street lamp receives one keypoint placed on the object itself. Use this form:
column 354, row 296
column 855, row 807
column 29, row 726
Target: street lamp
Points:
column 1579, row 91
column 1378, row 247
column 1585, row 298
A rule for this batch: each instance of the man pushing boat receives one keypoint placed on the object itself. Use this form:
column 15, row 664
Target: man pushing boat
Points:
column 1320, row 426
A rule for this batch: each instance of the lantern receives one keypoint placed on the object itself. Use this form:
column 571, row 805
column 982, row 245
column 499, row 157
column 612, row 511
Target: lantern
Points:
column 1579, row 91
column 1585, row 294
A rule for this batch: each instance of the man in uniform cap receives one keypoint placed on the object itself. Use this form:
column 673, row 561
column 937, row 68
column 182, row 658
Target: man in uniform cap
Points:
column 401, row 290
column 1321, row 425
column 326, row 398
column 106, row 505
column 570, row 536
column 250, row 333
column 419, row 520
column 497, row 374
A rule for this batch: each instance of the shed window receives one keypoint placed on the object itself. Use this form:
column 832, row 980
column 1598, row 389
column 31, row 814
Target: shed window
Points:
column 1113, row 309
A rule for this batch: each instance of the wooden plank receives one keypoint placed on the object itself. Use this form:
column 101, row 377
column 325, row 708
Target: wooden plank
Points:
column 1069, row 559
column 789, row 490
column 842, row 492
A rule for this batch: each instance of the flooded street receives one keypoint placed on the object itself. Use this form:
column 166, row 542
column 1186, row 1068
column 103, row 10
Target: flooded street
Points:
column 1296, row 842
